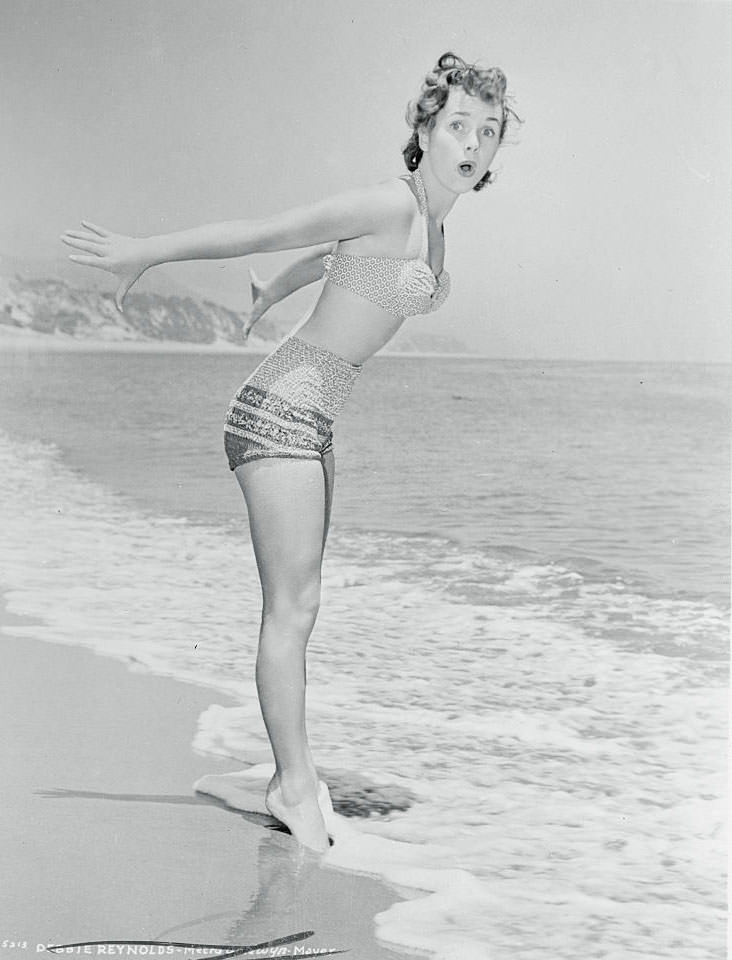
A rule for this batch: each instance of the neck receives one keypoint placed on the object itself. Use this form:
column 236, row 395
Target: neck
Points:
column 439, row 200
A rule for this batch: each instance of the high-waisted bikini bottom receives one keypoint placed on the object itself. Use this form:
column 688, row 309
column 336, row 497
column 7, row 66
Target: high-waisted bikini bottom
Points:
column 287, row 406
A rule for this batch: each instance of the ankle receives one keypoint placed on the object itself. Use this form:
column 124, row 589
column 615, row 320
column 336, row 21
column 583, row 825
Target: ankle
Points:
column 298, row 784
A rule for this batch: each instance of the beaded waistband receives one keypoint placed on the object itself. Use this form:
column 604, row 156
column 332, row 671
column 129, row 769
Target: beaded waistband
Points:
column 315, row 350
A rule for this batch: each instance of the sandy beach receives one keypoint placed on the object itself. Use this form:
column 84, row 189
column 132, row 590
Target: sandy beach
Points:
column 104, row 839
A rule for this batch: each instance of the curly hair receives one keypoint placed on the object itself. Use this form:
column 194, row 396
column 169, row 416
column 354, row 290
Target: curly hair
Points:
column 452, row 71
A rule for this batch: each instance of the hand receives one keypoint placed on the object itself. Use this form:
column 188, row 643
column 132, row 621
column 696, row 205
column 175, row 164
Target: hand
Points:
column 260, row 304
column 125, row 257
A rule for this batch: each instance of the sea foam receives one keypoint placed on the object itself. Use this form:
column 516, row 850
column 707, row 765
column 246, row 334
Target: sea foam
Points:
column 560, row 737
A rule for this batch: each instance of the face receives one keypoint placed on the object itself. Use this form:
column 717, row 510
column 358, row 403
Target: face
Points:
column 463, row 142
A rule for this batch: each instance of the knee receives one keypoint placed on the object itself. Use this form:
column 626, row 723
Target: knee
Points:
column 292, row 614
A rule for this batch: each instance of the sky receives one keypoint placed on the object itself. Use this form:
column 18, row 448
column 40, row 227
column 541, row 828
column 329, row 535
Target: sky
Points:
column 606, row 236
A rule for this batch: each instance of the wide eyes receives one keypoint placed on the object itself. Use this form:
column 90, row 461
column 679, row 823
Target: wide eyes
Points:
column 458, row 125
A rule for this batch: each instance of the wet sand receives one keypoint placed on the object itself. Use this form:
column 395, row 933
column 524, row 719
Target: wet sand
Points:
column 103, row 838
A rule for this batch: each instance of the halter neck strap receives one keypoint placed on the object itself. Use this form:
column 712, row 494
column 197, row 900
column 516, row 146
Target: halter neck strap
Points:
column 424, row 210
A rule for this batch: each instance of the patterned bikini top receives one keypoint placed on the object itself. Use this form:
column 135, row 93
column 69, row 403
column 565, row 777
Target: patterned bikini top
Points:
column 401, row 287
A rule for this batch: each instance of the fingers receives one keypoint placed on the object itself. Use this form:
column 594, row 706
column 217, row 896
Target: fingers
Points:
column 246, row 326
column 122, row 293
column 91, row 237
column 97, row 247
column 98, row 230
column 255, row 285
column 119, row 296
column 85, row 261
column 78, row 243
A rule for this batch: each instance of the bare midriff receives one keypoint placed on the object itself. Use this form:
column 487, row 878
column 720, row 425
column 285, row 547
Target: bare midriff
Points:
column 349, row 325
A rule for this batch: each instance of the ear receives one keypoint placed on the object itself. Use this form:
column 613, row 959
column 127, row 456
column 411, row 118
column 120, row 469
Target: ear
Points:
column 423, row 137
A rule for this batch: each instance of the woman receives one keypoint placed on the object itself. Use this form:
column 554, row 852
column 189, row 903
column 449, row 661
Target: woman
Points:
column 387, row 264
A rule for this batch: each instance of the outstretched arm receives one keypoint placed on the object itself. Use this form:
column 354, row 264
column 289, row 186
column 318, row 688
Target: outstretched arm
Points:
column 298, row 274
column 342, row 217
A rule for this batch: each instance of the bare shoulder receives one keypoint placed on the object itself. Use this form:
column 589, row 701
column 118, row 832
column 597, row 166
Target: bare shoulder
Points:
column 394, row 197
column 390, row 203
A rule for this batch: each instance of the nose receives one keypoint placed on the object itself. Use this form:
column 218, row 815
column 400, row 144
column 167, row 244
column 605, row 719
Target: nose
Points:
column 471, row 142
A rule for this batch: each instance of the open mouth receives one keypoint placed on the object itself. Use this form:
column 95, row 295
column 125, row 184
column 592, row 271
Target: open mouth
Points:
column 466, row 168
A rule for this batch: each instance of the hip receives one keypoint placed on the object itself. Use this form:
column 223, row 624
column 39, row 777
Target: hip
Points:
column 306, row 374
column 287, row 405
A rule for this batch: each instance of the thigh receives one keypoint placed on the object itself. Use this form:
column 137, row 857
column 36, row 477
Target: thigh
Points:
column 286, row 504
column 329, row 481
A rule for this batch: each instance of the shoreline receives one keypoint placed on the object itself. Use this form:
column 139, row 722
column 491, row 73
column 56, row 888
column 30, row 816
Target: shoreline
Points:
column 32, row 340
column 15, row 337
column 105, row 839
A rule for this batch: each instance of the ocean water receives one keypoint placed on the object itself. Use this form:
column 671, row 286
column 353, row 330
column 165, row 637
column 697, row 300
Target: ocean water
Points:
column 524, row 621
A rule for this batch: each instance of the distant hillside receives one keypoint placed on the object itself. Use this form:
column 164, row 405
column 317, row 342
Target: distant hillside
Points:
column 48, row 299
column 61, row 268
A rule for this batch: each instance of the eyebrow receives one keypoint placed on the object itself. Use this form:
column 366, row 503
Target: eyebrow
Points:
column 463, row 113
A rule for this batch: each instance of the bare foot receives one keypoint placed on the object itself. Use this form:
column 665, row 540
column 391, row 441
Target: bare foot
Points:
column 324, row 801
column 303, row 818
